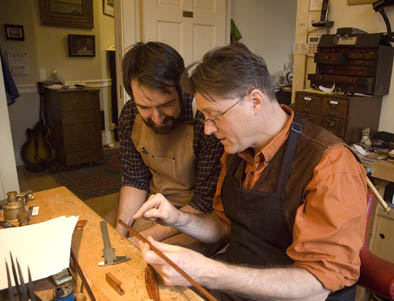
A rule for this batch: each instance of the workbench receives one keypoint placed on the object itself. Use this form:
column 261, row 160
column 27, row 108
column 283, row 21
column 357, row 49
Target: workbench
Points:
column 88, row 251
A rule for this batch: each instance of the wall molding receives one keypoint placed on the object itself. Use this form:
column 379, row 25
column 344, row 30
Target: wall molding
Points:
column 94, row 83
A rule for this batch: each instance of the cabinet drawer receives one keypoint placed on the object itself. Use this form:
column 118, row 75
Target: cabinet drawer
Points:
column 335, row 126
column 306, row 103
column 309, row 117
column 362, row 54
column 334, row 107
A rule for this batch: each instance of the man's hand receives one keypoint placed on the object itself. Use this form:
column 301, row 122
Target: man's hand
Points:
column 191, row 262
column 158, row 208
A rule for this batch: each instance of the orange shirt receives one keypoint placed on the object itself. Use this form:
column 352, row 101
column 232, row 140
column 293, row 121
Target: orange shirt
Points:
column 329, row 226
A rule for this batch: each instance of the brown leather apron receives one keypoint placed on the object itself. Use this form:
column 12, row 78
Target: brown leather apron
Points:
column 259, row 232
column 170, row 159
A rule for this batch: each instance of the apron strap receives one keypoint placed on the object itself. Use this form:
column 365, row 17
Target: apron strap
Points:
column 295, row 132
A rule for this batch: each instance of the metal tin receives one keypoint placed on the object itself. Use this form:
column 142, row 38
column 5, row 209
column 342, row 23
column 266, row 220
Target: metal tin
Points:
column 63, row 293
column 12, row 207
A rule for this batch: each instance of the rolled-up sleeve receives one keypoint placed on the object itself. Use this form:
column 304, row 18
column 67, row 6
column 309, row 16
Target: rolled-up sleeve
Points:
column 330, row 225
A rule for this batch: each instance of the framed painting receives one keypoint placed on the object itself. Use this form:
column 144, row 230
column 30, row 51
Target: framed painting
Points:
column 81, row 45
column 67, row 13
column 14, row 32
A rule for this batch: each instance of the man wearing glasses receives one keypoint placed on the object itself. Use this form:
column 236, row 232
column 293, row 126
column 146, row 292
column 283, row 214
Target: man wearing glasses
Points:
column 162, row 143
column 291, row 197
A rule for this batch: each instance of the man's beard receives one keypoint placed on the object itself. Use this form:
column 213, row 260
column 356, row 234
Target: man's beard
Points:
column 170, row 124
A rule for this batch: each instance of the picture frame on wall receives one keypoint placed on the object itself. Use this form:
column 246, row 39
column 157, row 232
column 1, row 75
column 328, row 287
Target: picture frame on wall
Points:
column 108, row 7
column 14, row 32
column 67, row 13
column 81, row 45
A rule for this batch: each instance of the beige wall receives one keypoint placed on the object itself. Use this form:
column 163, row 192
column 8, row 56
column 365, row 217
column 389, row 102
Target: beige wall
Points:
column 359, row 16
column 48, row 51
column 267, row 28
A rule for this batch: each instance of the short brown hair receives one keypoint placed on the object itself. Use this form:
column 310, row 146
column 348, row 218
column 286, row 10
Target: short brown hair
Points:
column 231, row 71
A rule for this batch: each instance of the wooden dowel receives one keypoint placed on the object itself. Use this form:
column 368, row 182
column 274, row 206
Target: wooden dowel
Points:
column 169, row 261
column 376, row 193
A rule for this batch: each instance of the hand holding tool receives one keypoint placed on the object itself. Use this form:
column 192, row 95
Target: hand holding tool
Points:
column 169, row 261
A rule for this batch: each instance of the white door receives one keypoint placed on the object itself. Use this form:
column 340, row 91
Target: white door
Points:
column 8, row 173
column 192, row 27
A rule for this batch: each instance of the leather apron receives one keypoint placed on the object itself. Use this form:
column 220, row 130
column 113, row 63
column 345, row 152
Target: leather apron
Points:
column 170, row 159
column 260, row 234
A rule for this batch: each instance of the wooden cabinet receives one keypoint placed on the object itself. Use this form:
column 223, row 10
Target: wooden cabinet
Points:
column 359, row 63
column 73, row 115
column 345, row 116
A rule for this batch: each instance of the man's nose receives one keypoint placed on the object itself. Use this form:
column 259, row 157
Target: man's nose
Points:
column 209, row 128
column 157, row 117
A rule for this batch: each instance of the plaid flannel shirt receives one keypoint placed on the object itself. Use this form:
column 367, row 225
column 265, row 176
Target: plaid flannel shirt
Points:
column 207, row 150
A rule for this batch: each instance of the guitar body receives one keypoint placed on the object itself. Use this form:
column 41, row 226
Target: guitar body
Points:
column 37, row 153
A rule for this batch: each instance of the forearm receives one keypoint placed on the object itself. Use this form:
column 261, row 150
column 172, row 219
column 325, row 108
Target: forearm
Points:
column 270, row 283
column 130, row 201
column 206, row 227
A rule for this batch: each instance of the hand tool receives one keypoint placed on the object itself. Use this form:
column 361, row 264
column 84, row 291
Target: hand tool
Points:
column 151, row 284
column 109, row 253
column 381, row 201
column 77, row 235
column 171, row 263
column 24, row 293
column 114, row 283
column 10, row 294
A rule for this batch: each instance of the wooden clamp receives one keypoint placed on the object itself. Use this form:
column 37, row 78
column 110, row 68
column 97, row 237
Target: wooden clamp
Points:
column 114, row 283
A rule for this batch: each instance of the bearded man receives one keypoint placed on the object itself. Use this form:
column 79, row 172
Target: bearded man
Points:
column 162, row 141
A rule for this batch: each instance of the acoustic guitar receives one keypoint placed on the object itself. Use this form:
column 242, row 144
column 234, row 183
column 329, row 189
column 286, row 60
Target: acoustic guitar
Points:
column 37, row 153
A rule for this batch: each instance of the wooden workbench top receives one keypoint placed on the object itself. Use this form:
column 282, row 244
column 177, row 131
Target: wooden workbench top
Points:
column 60, row 201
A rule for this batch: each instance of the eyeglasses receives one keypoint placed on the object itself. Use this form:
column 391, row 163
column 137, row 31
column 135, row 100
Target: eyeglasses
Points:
column 213, row 120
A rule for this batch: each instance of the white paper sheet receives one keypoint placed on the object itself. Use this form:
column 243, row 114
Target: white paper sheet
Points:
column 44, row 247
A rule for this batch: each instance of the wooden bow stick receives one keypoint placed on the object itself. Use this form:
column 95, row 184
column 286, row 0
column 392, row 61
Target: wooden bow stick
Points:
column 171, row 263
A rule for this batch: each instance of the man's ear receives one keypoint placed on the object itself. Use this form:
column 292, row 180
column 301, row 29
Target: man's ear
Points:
column 257, row 98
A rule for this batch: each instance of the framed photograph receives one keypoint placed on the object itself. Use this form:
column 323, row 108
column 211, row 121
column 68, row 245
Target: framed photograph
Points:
column 108, row 7
column 81, row 45
column 14, row 32
column 67, row 13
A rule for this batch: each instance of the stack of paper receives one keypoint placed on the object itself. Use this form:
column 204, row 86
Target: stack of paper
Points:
column 44, row 247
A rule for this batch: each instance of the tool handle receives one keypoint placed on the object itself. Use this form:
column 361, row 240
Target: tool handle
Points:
column 381, row 201
column 170, row 262
column 114, row 283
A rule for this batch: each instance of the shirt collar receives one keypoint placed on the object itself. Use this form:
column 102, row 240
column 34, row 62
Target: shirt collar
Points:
column 272, row 147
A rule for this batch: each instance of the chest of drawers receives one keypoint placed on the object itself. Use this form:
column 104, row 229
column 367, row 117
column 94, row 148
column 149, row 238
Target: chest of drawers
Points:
column 74, row 117
column 360, row 63
column 344, row 116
